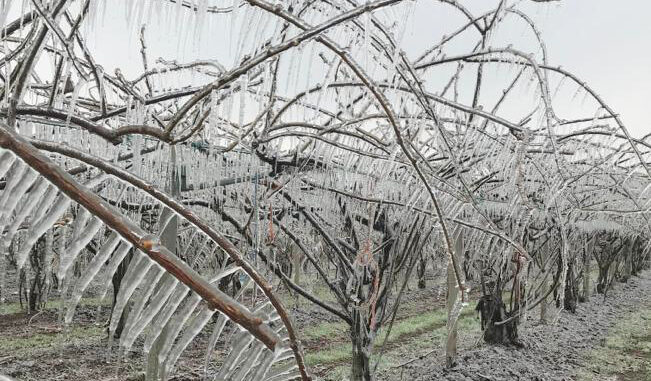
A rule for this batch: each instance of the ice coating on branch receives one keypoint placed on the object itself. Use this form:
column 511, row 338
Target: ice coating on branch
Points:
column 174, row 326
column 331, row 149
column 162, row 317
column 193, row 328
column 143, row 305
column 78, row 243
column 39, row 227
column 89, row 273
column 139, row 269
column 6, row 160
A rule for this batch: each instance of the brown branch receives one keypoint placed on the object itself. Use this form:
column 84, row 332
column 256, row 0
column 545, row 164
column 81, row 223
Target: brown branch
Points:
column 138, row 237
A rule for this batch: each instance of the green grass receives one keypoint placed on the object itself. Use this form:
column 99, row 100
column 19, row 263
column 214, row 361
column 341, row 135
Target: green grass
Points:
column 414, row 324
column 423, row 330
column 625, row 353
column 325, row 331
column 335, row 354
column 409, row 338
column 20, row 345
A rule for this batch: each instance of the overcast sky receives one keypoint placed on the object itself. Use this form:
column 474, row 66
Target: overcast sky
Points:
column 606, row 43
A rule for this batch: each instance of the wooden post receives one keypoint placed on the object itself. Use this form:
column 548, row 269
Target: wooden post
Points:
column 452, row 297
column 168, row 239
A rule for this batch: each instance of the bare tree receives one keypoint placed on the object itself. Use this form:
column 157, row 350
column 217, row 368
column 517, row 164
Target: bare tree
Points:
column 312, row 138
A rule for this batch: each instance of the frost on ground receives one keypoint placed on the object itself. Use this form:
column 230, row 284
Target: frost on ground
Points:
column 551, row 352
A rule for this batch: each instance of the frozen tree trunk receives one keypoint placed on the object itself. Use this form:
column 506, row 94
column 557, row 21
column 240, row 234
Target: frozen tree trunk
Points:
column 296, row 269
column 543, row 303
column 628, row 261
column 587, row 255
column 297, row 261
column 361, row 368
column 637, row 257
column 544, row 290
column 493, row 311
column 116, row 280
column 167, row 239
column 37, row 282
column 602, row 281
column 422, row 267
column 452, row 297
column 571, row 289
column 362, row 344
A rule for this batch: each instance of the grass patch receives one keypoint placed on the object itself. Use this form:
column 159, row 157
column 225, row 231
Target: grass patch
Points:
column 625, row 353
column 326, row 331
column 335, row 354
column 408, row 338
column 430, row 321
column 411, row 329
column 22, row 345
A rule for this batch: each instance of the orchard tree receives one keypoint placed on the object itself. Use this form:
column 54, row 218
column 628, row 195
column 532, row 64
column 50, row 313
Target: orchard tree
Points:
column 303, row 146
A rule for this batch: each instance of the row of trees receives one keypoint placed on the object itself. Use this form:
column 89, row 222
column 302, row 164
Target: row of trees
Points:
column 310, row 152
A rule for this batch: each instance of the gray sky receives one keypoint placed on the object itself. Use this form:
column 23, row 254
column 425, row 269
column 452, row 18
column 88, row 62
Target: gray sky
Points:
column 606, row 43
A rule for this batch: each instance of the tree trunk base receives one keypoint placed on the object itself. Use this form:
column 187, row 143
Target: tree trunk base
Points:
column 492, row 312
column 361, row 366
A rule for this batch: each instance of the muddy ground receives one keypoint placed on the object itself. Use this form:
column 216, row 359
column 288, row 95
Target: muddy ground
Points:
column 36, row 348
column 564, row 350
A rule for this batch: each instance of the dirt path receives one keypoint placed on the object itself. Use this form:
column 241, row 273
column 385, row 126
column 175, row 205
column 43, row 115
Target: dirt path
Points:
column 552, row 352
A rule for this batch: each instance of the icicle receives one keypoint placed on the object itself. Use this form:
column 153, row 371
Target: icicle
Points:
column 194, row 327
column 199, row 25
column 14, row 177
column 37, row 193
column 268, row 358
column 109, row 270
column 248, row 363
column 174, row 326
column 284, row 373
column 36, row 231
column 89, row 273
column 10, row 197
column 135, row 274
column 216, row 334
column 138, row 302
column 78, row 243
column 163, row 292
column 162, row 317
column 6, row 160
column 242, row 341
column 73, row 101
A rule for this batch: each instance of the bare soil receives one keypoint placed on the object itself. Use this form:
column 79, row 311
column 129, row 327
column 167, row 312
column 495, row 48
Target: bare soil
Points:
column 552, row 352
